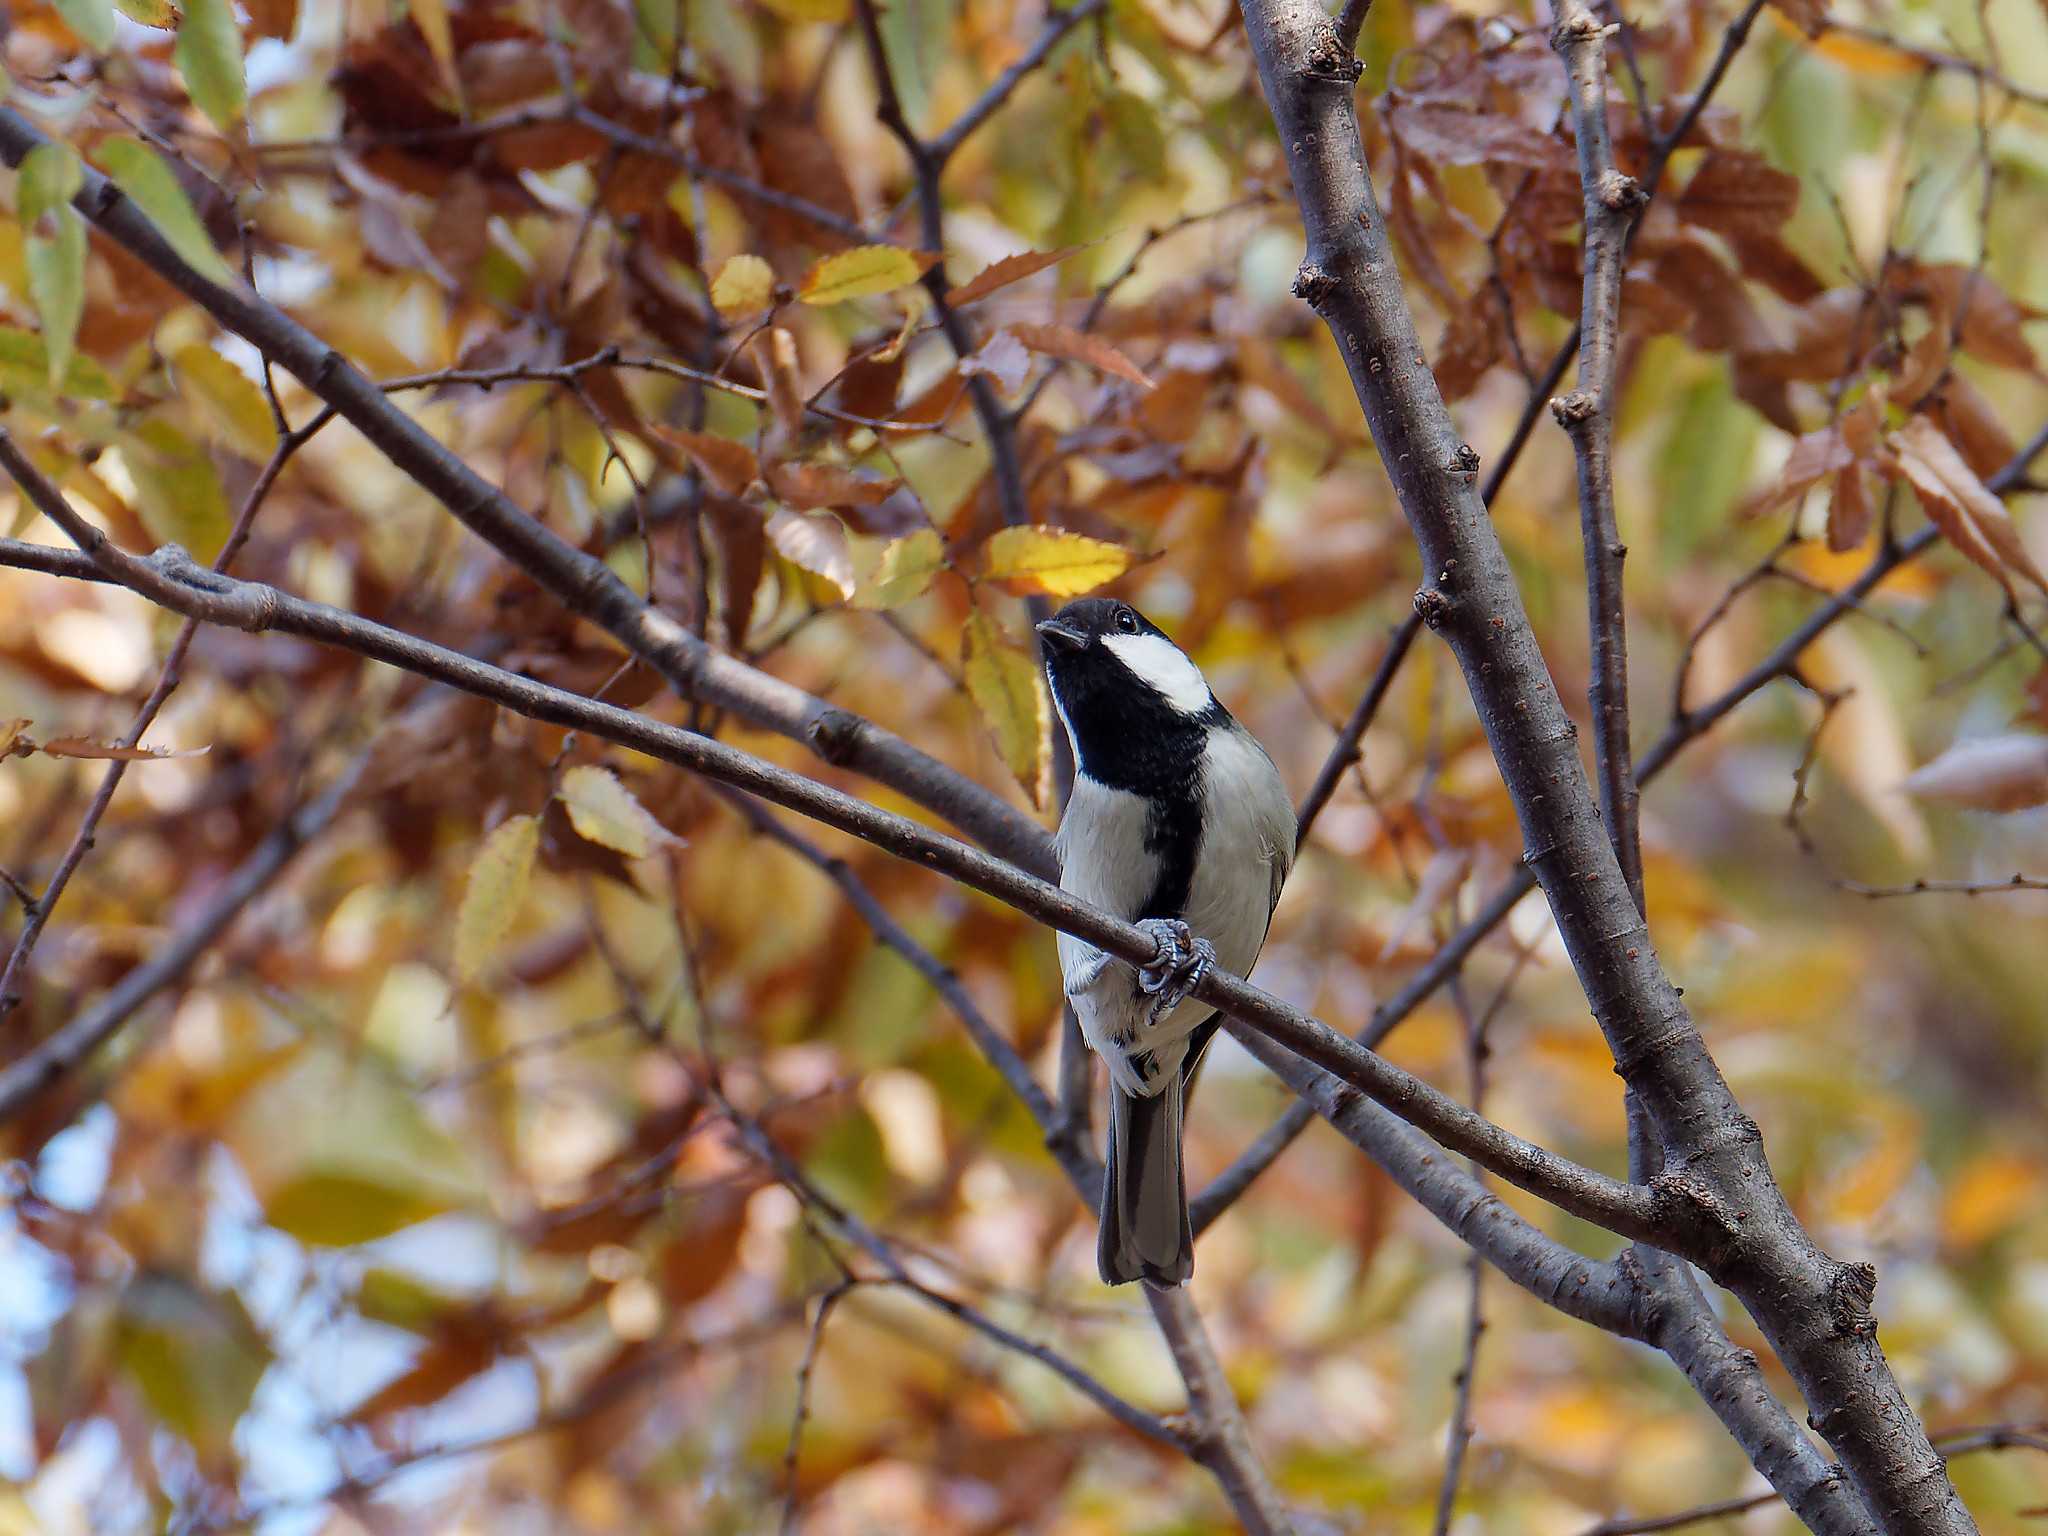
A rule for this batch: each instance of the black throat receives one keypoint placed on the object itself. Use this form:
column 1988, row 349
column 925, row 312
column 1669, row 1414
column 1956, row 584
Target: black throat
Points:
column 1129, row 738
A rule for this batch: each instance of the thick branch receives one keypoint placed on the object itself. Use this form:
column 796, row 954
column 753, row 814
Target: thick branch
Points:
column 1815, row 1310
column 174, row 581
column 580, row 581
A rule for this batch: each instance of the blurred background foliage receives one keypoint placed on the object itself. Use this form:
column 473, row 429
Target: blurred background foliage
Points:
column 411, row 1210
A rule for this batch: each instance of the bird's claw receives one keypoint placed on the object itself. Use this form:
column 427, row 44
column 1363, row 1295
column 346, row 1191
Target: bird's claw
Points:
column 1179, row 965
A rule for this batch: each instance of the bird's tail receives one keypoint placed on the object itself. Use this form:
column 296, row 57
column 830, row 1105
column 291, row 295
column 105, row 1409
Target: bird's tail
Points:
column 1145, row 1234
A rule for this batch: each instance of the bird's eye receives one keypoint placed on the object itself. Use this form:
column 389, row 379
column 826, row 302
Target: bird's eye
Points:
column 1127, row 621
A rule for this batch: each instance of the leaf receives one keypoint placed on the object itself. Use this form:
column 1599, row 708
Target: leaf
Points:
column 146, row 177
column 656, row 22
column 834, row 11
column 460, row 1350
column 741, row 542
column 209, row 55
column 1987, row 773
column 1080, row 347
column 1958, row 503
column 727, row 463
column 272, row 18
column 92, row 20
column 1011, row 269
column 1738, row 192
column 340, row 1207
column 14, row 741
column 431, row 17
column 1814, row 457
column 1052, row 561
column 229, row 398
column 744, row 284
column 862, row 272
column 180, row 495
column 50, row 176
column 56, row 281
column 815, row 544
column 161, row 14
column 1007, row 688
column 903, row 571
column 1851, row 511
column 605, row 811
column 812, row 487
column 494, row 893
column 195, row 1356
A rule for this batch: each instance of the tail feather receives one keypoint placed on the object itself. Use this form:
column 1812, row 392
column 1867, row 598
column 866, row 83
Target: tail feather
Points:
column 1145, row 1233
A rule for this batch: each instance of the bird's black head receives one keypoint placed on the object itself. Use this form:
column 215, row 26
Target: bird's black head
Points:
column 1135, row 707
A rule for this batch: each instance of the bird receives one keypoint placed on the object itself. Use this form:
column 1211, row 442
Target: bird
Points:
column 1179, row 823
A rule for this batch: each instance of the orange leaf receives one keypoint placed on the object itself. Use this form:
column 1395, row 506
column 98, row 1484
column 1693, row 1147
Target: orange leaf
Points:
column 1080, row 347
column 1011, row 269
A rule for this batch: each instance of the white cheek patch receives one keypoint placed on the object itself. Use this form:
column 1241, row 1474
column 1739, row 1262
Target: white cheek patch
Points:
column 1159, row 662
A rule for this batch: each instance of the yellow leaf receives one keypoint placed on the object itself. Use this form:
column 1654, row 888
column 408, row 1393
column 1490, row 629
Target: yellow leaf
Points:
column 230, row 400
column 605, row 811
column 1052, row 561
column 743, row 285
column 180, row 495
column 431, row 17
column 1006, row 687
column 861, row 272
column 494, row 893
column 903, row 570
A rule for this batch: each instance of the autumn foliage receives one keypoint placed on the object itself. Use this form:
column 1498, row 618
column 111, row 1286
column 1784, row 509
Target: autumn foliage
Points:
column 418, row 1115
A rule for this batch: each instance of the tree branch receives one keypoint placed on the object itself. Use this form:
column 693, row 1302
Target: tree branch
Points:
column 1587, row 414
column 583, row 583
column 172, row 580
column 1815, row 1310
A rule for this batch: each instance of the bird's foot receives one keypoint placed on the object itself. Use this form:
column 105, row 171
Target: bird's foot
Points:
column 1178, row 967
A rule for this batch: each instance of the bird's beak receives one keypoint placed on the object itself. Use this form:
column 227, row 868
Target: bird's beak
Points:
column 1058, row 635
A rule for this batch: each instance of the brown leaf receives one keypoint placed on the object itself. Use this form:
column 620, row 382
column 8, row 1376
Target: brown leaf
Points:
column 815, row 487
column 868, row 385
column 1851, row 511
column 740, row 542
column 1011, row 269
column 726, row 462
column 1815, row 456
column 1988, row 322
column 1079, row 346
column 1958, row 503
column 1738, row 191
column 80, row 746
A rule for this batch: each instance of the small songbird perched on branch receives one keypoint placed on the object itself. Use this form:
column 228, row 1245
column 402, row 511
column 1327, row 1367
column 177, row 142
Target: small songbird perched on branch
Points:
column 1180, row 823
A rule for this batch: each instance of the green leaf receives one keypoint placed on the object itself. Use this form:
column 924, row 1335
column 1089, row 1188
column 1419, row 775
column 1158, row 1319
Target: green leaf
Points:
column 209, row 55
column 229, row 399
column 494, row 893
column 180, row 495
column 56, row 281
column 25, row 370
column 50, row 178
column 656, row 25
column 194, row 1355
column 606, row 812
column 92, row 20
column 340, row 1207
column 147, row 177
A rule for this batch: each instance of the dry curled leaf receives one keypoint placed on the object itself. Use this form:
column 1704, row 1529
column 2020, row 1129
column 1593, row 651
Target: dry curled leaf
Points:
column 1957, row 502
column 1988, row 773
